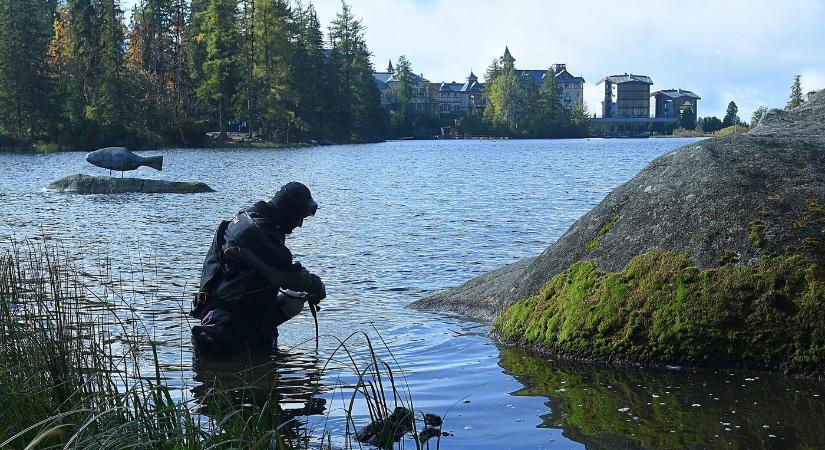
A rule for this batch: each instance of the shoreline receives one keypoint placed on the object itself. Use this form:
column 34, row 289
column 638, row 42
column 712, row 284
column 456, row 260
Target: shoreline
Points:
column 47, row 148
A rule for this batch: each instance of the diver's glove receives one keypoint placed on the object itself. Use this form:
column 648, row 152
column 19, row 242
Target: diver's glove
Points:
column 317, row 290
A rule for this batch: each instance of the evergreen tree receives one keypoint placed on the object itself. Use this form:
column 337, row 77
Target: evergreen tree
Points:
column 357, row 113
column 730, row 115
column 580, row 119
column 110, row 99
column 402, row 91
column 757, row 115
column 549, row 113
column 196, row 49
column 154, row 19
column 506, row 101
column 711, row 124
column 796, row 94
column 310, row 87
column 268, row 99
column 82, row 69
column 25, row 86
column 687, row 119
column 220, row 27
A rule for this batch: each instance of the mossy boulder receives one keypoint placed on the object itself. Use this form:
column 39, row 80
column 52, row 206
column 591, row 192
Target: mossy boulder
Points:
column 661, row 308
column 740, row 201
column 87, row 184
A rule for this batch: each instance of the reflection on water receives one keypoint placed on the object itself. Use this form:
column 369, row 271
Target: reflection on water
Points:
column 617, row 408
column 397, row 221
column 291, row 377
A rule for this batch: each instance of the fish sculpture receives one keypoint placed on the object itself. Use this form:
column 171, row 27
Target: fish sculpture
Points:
column 119, row 158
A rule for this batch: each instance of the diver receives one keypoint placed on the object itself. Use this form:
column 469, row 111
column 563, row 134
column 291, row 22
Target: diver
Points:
column 241, row 301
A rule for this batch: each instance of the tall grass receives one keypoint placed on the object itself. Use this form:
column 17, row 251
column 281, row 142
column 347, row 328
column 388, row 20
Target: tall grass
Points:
column 77, row 370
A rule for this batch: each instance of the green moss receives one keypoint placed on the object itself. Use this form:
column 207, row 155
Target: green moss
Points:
column 593, row 245
column 727, row 258
column 606, row 228
column 815, row 208
column 662, row 308
column 756, row 237
column 603, row 230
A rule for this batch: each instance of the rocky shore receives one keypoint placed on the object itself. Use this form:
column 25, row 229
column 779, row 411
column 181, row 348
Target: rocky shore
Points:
column 713, row 254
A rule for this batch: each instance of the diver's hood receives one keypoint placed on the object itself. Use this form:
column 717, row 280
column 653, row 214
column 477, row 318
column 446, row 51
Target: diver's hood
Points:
column 292, row 203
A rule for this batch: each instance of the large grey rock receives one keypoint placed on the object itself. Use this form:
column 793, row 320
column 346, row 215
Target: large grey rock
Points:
column 808, row 120
column 86, row 184
column 714, row 199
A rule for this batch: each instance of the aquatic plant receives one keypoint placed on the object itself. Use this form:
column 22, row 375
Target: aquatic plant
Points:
column 661, row 308
column 75, row 372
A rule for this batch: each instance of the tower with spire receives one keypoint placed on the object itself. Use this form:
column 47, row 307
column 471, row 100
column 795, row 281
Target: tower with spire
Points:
column 390, row 69
column 507, row 60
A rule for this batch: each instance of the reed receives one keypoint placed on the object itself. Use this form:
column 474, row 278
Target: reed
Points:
column 78, row 370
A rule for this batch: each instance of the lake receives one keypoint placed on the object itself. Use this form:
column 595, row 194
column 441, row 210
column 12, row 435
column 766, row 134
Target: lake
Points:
column 397, row 221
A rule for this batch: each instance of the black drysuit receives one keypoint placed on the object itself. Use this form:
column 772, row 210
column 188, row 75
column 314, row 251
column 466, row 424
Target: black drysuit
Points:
column 244, row 269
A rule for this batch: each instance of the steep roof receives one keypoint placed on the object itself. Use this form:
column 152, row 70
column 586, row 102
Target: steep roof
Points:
column 390, row 77
column 626, row 78
column 564, row 76
column 454, row 87
column 536, row 76
column 675, row 93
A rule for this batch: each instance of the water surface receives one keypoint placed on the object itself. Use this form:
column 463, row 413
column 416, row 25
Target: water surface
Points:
column 397, row 221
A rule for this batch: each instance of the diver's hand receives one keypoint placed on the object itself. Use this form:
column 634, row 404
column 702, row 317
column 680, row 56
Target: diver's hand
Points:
column 317, row 290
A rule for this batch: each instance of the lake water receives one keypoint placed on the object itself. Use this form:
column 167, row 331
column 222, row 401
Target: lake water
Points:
column 397, row 221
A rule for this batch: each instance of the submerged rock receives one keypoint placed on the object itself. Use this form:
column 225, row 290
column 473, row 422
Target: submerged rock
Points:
column 733, row 201
column 86, row 184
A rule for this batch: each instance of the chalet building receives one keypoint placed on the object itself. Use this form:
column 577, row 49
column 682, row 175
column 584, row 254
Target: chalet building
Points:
column 571, row 88
column 626, row 95
column 387, row 81
column 458, row 98
column 670, row 103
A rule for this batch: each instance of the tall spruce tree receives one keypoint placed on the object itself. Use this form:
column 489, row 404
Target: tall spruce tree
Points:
column 196, row 50
column 82, row 69
column 795, row 98
column 25, row 86
column 731, row 117
column 269, row 45
column 219, row 26
column 357, row 113
column 546, row 117
column 109, row 107
column 310, row 84
column 402, row 114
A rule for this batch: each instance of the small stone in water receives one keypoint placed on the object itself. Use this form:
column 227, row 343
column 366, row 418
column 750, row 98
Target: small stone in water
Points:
column 468, row 427
column 696, row 405
column 624, row 409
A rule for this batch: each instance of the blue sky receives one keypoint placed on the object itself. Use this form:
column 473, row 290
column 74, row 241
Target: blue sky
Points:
column 746, row 51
